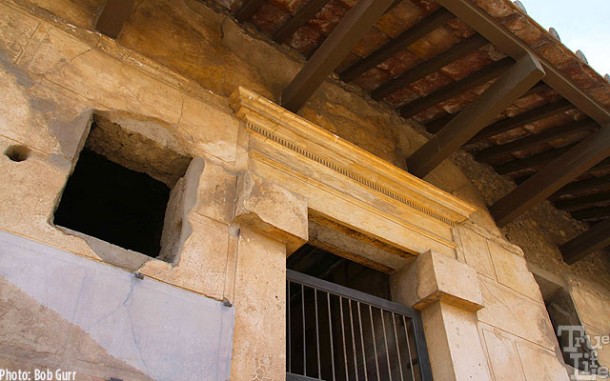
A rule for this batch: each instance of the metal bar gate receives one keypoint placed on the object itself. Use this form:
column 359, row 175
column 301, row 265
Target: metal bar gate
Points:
column 339, row 334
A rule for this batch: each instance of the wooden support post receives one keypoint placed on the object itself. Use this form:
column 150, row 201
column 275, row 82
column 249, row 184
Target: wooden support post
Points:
column 113, row 17
column 553, row 177
column 509, row 87
column 331, row 53
column 595, row 239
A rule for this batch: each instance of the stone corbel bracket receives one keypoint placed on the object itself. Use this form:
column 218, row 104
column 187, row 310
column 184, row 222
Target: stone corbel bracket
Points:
column 434, row 277
column 346, row 183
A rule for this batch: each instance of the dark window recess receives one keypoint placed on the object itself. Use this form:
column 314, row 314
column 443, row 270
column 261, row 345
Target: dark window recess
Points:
column 573, row 342
column 575, row 346
column 115, row 204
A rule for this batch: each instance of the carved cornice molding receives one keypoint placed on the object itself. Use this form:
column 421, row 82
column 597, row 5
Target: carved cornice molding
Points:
column 300, row 147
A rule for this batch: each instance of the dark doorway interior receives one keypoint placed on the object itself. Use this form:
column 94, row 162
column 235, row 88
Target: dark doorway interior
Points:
column 341, row 324
column 115, row 204
column 321, row 264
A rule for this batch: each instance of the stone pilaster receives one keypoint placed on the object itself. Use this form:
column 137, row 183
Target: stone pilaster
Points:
column 273, row 222
column 447, row 294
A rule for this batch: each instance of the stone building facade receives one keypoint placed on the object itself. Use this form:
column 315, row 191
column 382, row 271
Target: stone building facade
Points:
column 187, row 96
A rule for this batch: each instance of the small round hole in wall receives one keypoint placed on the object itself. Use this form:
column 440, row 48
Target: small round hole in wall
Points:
column 17, row 153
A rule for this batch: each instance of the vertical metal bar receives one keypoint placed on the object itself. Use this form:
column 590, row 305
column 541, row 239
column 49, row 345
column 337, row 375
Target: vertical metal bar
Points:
column 330, row 329
column 304, row 336
column 315, row 297
column 289, row 320
column 397, row 347
column 416, row 350
column 351, row 322
column 343, row 336
column 420, row 345
column 374, row 342
column 404, row 320
column 385, row 340
column 366, row 373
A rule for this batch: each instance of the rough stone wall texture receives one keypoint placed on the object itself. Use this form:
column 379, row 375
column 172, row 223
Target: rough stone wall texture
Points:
column 174, row 66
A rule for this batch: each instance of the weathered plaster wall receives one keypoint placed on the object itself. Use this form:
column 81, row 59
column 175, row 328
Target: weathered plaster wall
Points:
column 172, row 70
column 68, row 312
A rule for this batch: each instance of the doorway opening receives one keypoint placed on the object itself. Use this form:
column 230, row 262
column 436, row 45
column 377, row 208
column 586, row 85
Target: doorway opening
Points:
column 341, row 324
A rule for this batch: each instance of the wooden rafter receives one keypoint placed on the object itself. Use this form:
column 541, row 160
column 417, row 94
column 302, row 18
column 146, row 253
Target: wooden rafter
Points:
column 583, row 202
column 438, row 124
column 405, row 39
column 582, row 186
column 430, row 66
column 484, row 24
column 595, row 239
column 592, row 214
column 604, row 166
column 510, row 86
column 553, row 177
column 549, row 135
column 114, row 16
column 248, row 9
column 475, row 79
column 533, row 162
column 306, row 13
column 522, row 119
column 332, row 51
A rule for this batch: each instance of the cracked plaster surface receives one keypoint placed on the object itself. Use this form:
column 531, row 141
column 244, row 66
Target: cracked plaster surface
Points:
column 146, row 323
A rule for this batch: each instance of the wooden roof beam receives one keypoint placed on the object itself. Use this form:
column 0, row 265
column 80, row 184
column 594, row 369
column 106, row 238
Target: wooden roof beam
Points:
column 432, row 65
column 473, row 80
column 114, row 16
column 306, row 13
column 507, row 42
column 438, row 124
column 582, row 186
column 553, row 177
column 592, row 240
column 533, row 162
column 498, row 151
column 405, row 39
column 522, row 119
column 248, row 9
column 333, row 50
column 592, row 214
column 510, row 86
column 583, row 202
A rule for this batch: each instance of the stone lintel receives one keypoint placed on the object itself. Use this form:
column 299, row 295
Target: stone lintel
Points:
column 373, row 174
column 271, row 210
column 433, row 277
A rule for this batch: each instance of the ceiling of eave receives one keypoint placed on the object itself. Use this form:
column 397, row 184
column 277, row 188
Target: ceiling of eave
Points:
column 535, row 129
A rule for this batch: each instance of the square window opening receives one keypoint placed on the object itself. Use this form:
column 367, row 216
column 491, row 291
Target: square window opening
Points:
column 126, row 190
